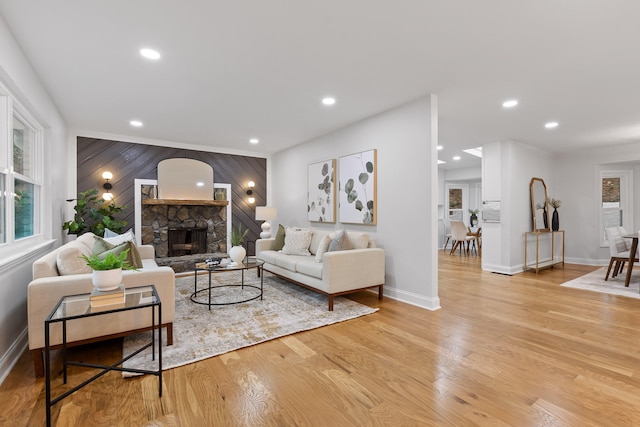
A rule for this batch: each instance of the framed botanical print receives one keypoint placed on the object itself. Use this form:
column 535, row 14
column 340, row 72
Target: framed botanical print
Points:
column 321, row 191
column 357, row 201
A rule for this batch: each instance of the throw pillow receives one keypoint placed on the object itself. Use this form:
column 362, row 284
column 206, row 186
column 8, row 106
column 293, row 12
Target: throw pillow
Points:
column 323, row 247
column 337, row 243
column 279, row 241
column 69, row 262
column 102, row 247
column 120, row 238
column 109, row 233
column 296, row 241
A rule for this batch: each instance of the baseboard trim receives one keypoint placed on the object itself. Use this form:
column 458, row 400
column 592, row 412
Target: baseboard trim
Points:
column 412, row 298
column 11, row 357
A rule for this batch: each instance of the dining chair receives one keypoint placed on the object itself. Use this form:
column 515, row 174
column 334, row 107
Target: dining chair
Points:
column 618, row 251
column 460, row 237
column 476, row 233
column 447, row 234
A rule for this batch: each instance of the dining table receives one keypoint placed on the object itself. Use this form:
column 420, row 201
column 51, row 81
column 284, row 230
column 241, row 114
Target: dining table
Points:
column 632, row 255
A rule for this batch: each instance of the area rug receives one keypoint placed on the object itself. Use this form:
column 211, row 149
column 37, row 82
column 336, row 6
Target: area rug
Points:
column 200, row 333
column 594, row 281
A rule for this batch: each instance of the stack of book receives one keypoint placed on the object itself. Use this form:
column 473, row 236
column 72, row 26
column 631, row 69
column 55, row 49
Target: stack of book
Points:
column 103, row 298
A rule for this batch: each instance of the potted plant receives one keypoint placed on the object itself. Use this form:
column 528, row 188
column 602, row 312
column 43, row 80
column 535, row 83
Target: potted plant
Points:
column 237, row 251
column 107, row 270
column 94, row 214
column 473, row 220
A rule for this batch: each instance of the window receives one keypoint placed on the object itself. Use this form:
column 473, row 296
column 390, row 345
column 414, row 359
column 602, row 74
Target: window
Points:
column 20, row 173
column 615, row 201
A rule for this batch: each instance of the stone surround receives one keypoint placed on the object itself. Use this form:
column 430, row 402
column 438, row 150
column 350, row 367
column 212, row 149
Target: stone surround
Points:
column 160, row 214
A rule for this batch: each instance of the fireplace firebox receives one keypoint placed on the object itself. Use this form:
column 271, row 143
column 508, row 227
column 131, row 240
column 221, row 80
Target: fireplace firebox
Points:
column 186, row 241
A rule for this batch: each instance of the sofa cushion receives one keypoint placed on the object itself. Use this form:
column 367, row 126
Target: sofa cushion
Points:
column 355, row 240
column 120, row 238
column 269, row 256
column 287, row 261
column 69, row 261
column 317, row 237
column 279, row 239
column 323, row 247
column 296, row 241
column 309, row 268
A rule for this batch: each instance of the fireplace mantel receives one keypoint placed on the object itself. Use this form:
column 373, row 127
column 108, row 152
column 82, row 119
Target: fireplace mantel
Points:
column 185, row 202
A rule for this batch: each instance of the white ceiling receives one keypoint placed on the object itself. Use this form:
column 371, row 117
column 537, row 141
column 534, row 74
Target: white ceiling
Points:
column 232, row 70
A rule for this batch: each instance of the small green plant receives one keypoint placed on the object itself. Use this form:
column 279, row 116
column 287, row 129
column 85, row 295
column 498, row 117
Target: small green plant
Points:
column 110, row 261
column 238, row 235
column 473, row 211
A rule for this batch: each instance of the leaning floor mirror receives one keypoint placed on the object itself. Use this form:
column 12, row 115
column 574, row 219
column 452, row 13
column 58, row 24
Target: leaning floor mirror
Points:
column 539, row 208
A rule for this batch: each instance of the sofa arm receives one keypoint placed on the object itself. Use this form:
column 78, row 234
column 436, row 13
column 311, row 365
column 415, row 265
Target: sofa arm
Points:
column 353, row 269
column 146, row 251
column 264, row 245
column 43, row 294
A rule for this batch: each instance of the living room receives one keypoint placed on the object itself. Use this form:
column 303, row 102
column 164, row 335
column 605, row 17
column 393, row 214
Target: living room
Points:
column 405, row 133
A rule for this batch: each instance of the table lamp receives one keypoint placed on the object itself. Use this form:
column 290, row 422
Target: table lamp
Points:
column 267, row 214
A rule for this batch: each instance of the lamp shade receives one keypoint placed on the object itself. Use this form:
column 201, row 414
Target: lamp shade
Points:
column 266, row 213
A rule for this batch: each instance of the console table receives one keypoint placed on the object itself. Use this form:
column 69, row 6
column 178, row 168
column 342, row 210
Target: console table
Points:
column 544, row 240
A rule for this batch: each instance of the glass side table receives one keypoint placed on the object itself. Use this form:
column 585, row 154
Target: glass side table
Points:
column 74, row 307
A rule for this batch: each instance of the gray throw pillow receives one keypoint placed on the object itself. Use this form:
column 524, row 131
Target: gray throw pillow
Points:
column 337, row 243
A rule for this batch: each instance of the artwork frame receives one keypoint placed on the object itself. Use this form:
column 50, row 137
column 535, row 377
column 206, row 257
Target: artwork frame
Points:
column 358, row 188
column 321, row 191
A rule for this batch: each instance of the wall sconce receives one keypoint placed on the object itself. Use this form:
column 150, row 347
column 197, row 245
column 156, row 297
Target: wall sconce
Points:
column 107, row 196
column 267, row 214
column 251, row 185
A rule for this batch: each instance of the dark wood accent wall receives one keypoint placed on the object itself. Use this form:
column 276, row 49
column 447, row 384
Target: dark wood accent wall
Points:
column 128, row 161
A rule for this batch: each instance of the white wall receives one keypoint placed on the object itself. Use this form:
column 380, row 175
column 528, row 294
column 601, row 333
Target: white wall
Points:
column 507, row 171
column 15, row 273
column 406, row 139
column 577, row 184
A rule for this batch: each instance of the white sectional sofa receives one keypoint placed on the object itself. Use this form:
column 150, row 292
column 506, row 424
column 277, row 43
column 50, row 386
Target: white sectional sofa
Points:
column 358, row 265
column 48, row 286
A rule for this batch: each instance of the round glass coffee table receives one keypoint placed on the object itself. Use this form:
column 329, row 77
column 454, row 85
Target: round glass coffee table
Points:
column 228, row 293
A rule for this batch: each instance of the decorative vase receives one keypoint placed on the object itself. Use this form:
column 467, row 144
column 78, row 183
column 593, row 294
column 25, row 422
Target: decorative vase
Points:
column 218, row 194
column 555, row 220
column 473, row 220
column 545, row 217
column 237, row 254
column 107, row 280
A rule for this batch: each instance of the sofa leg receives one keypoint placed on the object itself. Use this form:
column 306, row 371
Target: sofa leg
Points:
column 330, row 302
column 38, row 362
column 380, row 292
column 169, row 333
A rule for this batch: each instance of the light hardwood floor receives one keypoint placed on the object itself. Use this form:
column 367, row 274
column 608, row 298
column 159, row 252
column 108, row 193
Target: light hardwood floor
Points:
column 519, row 350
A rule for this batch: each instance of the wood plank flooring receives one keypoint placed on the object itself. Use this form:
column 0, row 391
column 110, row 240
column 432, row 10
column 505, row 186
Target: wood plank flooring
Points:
column 502, row 351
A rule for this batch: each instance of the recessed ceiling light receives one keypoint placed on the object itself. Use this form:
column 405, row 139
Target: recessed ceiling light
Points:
column 254, row 140
column 551, row 125
column 510, row 103
column 136, row 123
column 456, row 157
column 150, row 53
column 439, row 147
column 474, row 151
column 441, row 161
column 328, row 101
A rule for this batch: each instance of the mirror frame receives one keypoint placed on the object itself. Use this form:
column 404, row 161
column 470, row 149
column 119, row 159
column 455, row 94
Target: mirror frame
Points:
column 534, row 203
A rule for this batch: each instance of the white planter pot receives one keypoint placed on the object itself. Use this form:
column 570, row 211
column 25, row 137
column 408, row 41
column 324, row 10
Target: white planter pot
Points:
column 237, row 254
column 107, row 280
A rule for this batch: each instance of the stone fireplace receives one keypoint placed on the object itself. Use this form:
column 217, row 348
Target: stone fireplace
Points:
column 158, row 216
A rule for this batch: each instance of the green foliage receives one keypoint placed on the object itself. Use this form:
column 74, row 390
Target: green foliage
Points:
column 238, row 235
column 473, row 211
column 110, row 261
column 94, row 214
